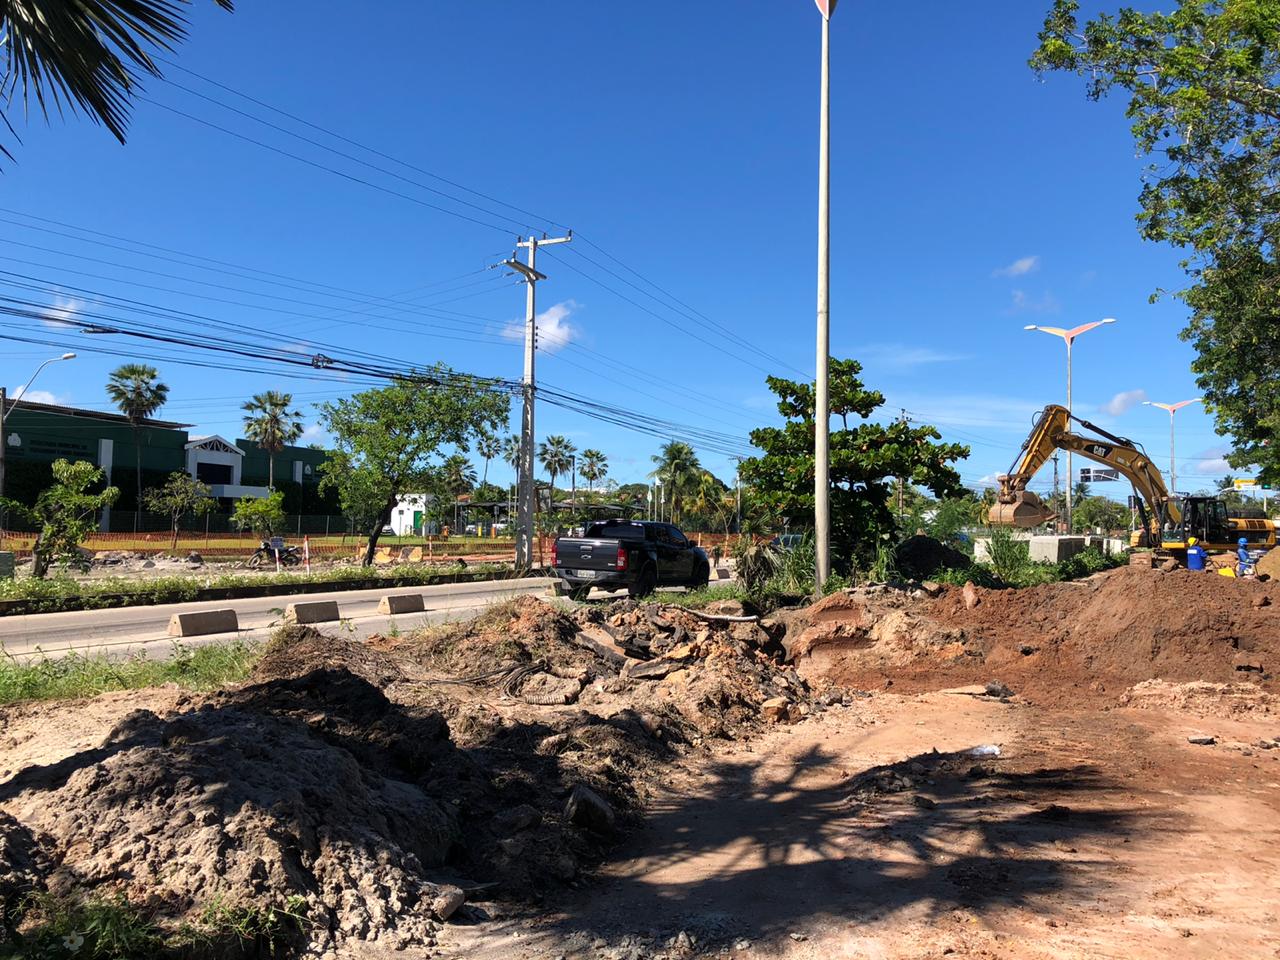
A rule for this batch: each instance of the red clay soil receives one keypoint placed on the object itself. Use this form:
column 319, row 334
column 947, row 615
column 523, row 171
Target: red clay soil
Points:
column 1062, row 641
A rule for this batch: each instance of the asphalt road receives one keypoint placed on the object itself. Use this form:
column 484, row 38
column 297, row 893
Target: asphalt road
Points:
column 130, row 630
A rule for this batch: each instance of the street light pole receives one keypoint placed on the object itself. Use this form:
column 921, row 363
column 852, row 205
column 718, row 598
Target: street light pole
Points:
column 1173, row 464
column 1069, row 336
column 822, row 399
column 6, row 406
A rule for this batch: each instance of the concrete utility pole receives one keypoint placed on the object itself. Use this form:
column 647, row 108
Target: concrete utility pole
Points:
column 525, row 483
column 822, row 413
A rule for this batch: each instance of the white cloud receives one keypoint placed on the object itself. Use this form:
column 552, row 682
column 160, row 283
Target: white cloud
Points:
column 554, row 329
column 313, row 434
column 1022, row 303
column 37, row 396
column 1019, row 268
column 898, row 356
column 61, row 312
column 1123, row 402
column 1216, row 466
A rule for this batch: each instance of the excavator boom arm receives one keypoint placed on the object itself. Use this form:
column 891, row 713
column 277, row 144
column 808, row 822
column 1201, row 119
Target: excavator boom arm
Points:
column 1017, row 506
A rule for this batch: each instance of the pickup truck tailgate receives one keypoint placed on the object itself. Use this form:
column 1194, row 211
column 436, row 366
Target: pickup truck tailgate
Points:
column 596, row 556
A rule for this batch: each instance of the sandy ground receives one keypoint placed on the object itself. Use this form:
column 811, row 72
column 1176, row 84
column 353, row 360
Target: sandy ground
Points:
column 1100, row 833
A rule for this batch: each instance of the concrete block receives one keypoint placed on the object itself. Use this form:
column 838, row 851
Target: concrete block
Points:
column 1051, row 549
column 395, row 603
column 315, row 611
column 202, row 622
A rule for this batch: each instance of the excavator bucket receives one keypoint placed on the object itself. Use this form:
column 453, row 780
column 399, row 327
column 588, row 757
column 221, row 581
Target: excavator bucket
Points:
column 1025, row 510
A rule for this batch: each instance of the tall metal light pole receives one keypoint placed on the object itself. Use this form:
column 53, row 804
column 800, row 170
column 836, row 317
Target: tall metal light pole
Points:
column 525, row 490
column 1172, row 408
column 1069, row 336
column 5, row 406
column 822, row 400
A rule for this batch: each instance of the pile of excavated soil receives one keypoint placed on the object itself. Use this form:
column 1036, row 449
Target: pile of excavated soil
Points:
column 380, row 784
column 1056, row 641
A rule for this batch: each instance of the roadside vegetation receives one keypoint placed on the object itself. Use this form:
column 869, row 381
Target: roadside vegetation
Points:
column 78, row 675
column 58, row 593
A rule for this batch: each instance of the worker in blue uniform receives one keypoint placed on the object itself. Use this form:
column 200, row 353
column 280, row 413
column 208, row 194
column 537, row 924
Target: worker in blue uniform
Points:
column 1196, row 557
column 1244, row 565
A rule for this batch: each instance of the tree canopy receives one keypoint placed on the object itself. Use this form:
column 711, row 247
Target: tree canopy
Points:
column 1204, row 99
column 271, row 425
column 393, row 440
column 865, row 460
column 66, row 512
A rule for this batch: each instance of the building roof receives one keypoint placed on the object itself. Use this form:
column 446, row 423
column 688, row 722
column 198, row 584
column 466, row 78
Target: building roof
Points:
column 95, row 415
column 213, row 442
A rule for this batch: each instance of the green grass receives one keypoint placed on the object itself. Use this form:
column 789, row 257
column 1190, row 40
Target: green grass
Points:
column 85, row 675
column 96, row 927
column 1021, row 571
column 52, row 593
column 698, row 599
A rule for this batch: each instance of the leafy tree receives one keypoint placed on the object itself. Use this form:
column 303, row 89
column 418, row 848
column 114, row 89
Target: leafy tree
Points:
column 556, row 456
column 677, row 466
column 865, row 460
column 87, row 55
column 1203, row 84
column 271, row 425
column 1089, row 513
column 137, row 392
column 490, row 448
column 181, row 495
column 66, row 514
column 595, row 467
column 387, row 440
column 263, row 515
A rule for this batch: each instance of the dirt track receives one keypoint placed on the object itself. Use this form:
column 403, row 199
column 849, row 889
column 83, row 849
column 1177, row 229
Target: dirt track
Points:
column 1159, row 849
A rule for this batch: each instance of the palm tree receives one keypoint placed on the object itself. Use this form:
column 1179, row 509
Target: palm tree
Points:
column 137, row 392
column 557, row 457
column 271, row 425
column 458, row 474
column 677, row 466
column 86, row 55
column 490, row 448
column 595, row 466
column 511, row 451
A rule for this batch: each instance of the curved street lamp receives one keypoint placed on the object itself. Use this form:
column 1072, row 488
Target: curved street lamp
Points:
column 6, row 406
column 1069, row 336
column 1172, row 408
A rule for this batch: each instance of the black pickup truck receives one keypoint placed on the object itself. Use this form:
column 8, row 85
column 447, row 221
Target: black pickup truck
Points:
column 638, row 555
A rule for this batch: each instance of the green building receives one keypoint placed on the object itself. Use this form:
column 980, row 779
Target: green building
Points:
column 36, row 434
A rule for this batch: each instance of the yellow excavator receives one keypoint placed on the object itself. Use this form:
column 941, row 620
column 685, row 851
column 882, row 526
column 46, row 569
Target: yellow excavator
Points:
column 1165, row 521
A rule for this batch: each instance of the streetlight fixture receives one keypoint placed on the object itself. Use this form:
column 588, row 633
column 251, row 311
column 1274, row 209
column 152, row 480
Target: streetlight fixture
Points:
column 1172, row 408
column 1069, row 336
column 6, row 406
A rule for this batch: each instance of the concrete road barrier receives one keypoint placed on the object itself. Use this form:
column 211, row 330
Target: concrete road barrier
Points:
column 316, row 611
column 394, row 603
column 202, row 622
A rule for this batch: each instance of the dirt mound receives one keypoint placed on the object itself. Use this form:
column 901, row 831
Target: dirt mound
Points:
column 922, row 557
column 1054, row 641
column 1236, row 701
column 226, row 801
column 296, row 650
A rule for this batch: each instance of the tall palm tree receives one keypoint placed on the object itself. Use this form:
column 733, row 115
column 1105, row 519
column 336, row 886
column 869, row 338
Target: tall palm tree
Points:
column 458, row 474
column 90, row 56
column 556, row 456
column 271, row 425
column 677, row 466
column 137, row 392
column 511, row 451
column 595, row 467
column 490, row 448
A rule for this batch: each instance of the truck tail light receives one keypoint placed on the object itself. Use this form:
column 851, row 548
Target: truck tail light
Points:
column 622, row 558
column 555, row 554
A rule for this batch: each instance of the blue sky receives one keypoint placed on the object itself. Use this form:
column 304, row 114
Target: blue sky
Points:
column 970, row 199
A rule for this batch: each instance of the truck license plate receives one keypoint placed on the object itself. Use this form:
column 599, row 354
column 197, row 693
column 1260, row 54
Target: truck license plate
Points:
column 589, row 574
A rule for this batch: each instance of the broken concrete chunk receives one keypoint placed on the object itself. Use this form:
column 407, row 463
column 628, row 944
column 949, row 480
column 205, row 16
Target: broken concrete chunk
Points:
column 997, row 689
column 1202, row 740
column 586, row 808
column 970, row 594
column 776, row 710
column 647, row 669
column 447, row 901
column 726, row 608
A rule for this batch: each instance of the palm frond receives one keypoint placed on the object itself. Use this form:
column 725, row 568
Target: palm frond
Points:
column 88, row 55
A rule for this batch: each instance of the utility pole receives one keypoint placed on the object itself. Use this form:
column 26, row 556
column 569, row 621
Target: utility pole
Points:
column 4, row 402
column 902, row 506
column 525, row 483
column 1055, row 477
column 822, row 413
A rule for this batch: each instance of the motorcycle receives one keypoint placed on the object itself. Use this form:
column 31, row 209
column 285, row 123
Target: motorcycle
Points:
column 266, row 554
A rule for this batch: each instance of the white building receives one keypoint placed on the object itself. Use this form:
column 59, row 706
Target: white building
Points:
column 409, row 515
column 219, row 463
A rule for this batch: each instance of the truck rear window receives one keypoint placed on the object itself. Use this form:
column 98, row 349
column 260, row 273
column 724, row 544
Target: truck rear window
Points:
column 616, row 531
